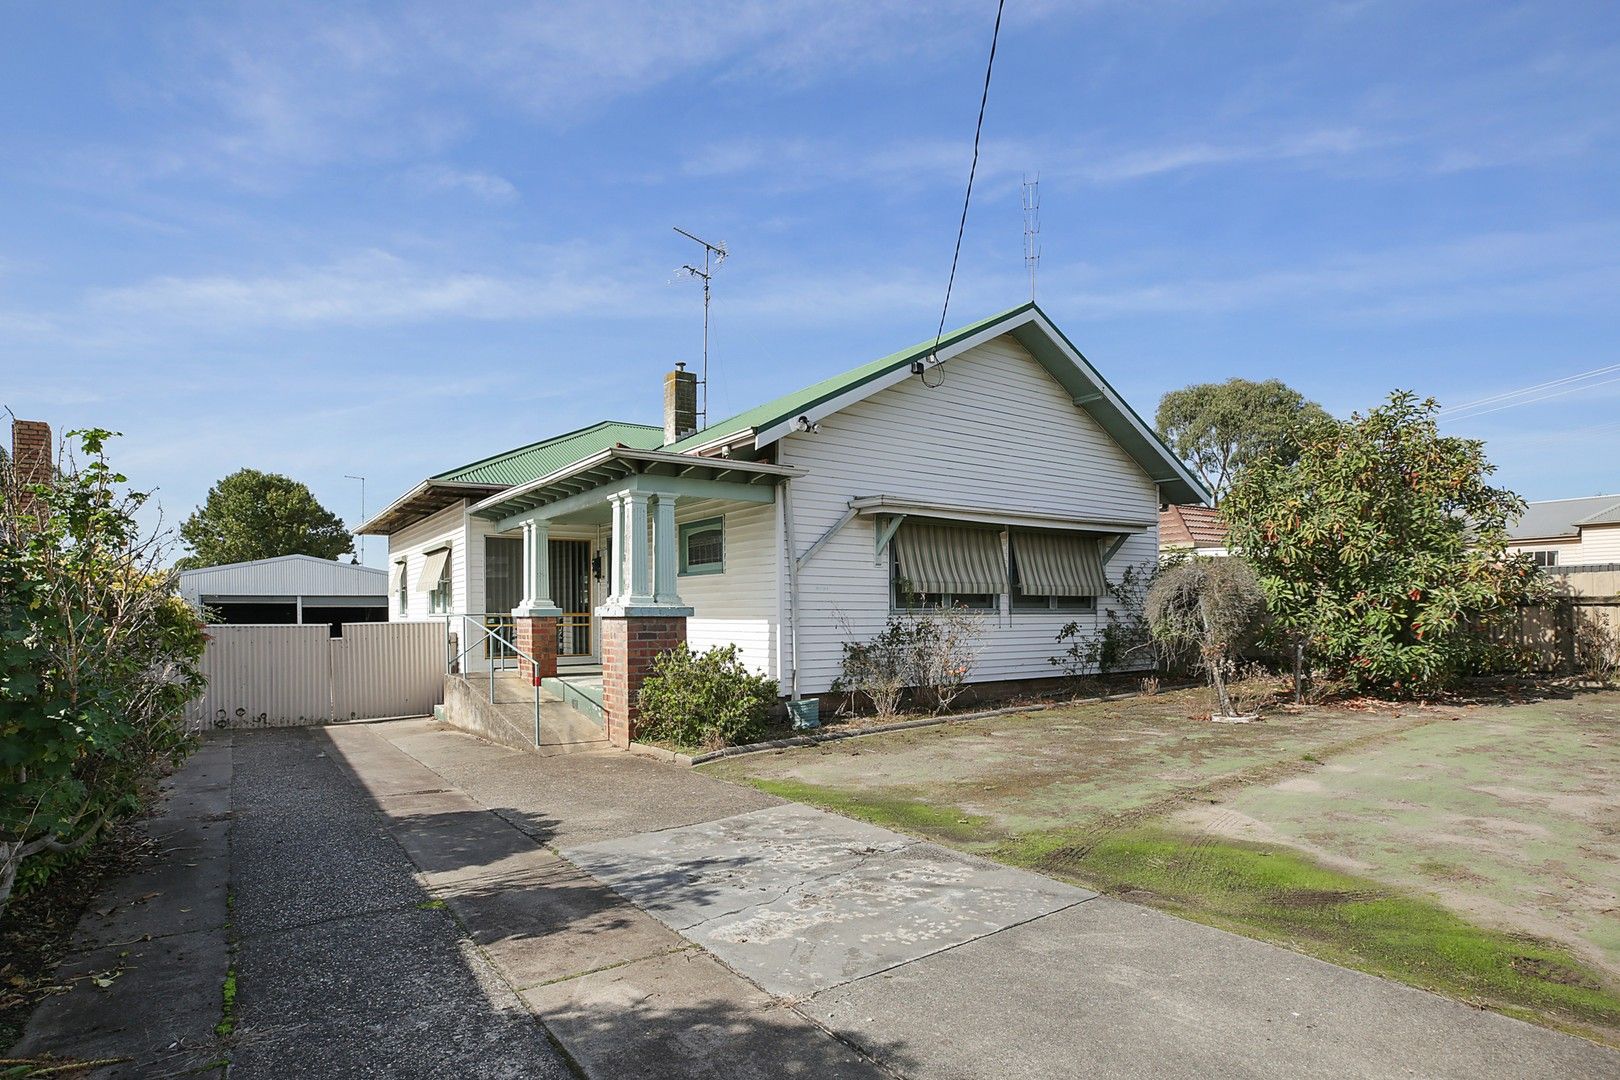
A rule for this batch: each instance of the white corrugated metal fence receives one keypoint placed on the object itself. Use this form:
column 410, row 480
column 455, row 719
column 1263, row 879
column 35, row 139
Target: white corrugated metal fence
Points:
column 286, row 676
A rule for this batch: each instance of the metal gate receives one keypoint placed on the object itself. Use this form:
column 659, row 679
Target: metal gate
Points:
column 286, row 676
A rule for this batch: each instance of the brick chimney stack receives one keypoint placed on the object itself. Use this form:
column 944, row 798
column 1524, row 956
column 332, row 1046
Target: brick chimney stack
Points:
column 30, row 460
column 680, row 404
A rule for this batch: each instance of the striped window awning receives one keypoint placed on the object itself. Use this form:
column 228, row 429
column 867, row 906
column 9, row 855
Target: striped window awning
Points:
column 1058, row 564
column 433, row 564
column 949, row 559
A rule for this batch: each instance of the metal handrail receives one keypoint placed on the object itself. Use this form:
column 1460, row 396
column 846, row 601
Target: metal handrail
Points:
column 452, row 665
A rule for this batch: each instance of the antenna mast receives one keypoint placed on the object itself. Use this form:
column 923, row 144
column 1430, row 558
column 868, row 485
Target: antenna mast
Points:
column 351, row 476
column 1032, row 229
column 716, row 252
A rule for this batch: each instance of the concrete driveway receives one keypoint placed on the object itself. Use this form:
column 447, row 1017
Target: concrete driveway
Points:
column 838, row 936
column 409, row 900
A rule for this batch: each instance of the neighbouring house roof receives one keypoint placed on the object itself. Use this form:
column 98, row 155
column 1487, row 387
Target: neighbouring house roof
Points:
column 1026, row 323
column 1182, row 525
column 1553, row 518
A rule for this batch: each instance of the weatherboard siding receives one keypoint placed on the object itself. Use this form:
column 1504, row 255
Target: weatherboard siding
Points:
column 1002, row 435
column 738, row 606
column 444, row 528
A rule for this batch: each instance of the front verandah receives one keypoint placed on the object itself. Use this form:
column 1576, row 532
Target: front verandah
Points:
column 635, row 494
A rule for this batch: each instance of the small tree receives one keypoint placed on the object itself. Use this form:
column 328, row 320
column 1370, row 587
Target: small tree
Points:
column 1217, row 428
column 1383, row 547
column 98, row 656
column 257, row 515
column 1211, row 607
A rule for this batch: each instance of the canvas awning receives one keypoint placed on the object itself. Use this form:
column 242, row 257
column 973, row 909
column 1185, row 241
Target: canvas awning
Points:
column 433, row 564
column 396, row 576
column 1058, row 564
column 947, row 559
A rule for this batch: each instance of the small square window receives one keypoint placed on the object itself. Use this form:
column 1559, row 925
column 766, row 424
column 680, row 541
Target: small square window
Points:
column 1545, row 558
column 703, row 547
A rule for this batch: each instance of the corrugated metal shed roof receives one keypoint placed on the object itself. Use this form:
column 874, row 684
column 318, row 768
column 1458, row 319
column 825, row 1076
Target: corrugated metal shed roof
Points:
column 537, row 459
column 285, row 575
column 1563, row 517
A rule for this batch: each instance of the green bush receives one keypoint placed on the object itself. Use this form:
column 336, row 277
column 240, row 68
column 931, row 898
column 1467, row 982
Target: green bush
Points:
column 704, row 699
column 98, row 658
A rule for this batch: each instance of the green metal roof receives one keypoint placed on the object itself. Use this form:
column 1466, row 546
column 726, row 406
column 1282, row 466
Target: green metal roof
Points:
column 537, row 459
column 788, row 406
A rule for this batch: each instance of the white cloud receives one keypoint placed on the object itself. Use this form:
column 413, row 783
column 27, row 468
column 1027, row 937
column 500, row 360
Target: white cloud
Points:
column 480, row 185
column 371, row 288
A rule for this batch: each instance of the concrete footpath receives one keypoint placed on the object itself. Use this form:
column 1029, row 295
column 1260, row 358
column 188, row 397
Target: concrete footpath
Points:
column 406, row 900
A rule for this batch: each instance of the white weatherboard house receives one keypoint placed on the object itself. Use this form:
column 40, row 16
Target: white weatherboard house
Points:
column 1008, row 476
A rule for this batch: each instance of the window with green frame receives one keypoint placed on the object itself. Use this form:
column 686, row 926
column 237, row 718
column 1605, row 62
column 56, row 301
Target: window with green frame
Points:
column 703, row 547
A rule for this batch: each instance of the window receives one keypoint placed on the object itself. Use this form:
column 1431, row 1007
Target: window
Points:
column 1053, row 571
column 435, row 580
column 943, row 565
column 402, row 595
column 703, row 547
column 1545, row 558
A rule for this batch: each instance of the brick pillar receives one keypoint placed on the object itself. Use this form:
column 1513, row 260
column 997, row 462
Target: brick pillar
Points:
column 30, row 460
column 538, row 638
column 629, row 645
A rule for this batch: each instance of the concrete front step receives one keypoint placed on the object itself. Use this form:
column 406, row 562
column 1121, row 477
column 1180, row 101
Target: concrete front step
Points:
column 509, row 719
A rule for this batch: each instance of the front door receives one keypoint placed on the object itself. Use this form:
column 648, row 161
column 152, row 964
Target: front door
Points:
column 571, row 591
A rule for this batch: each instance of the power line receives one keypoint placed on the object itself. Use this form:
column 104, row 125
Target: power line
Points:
column 961, row 226
column 1468, row 405
column 1541, row 397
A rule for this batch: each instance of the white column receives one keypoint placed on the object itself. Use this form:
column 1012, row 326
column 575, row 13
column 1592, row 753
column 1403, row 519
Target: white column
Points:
column 618, row 581
column 666, row 551
column 635, row 524
column 536, row 570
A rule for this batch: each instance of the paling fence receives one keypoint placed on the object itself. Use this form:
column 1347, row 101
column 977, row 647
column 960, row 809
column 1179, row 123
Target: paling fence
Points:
column 285, row 676
column 1583, row 616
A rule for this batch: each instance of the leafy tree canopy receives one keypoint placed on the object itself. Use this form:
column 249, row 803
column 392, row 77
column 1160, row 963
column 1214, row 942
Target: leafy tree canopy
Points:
column 1382, row 546
column 257, row 515
column 1217, row 428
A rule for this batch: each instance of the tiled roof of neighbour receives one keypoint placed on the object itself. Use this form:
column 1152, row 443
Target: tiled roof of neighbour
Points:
column 1197, row 526
column 1563, row 517
column 548, row 455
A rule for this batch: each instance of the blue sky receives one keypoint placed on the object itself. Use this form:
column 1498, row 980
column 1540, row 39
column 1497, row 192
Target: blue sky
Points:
column 385, row 239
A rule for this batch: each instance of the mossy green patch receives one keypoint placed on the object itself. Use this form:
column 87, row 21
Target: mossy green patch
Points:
column 1279, row 895
column 227, row 1013
column 930, row 819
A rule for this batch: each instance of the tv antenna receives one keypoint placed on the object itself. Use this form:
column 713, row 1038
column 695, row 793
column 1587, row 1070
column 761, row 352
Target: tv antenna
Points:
column 1032, row 229
column 362, row 536
column 713, row 256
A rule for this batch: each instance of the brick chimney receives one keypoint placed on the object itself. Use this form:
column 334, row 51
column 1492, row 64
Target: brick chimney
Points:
column 680, row 404
column 30, row 460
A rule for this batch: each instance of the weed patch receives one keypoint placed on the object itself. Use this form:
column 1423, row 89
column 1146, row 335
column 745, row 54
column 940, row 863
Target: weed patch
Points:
column 1278, row 895
column 906, row 815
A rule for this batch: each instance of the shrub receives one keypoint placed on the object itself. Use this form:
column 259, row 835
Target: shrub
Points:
column 1383, row 547
column 1212, row 606
column 1124, row 640
column 932, row 650
column 98, row 657
column 707, row 699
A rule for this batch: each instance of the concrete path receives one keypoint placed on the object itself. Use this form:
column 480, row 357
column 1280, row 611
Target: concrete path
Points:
column 922, row 960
